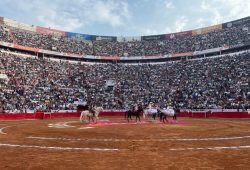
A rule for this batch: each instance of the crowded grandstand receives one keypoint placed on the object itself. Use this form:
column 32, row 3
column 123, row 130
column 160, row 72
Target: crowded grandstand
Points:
column 49, row 69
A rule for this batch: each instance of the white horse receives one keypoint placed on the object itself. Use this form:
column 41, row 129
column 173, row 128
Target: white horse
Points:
column 165, row 112
column 86, row 114
column 150, row 112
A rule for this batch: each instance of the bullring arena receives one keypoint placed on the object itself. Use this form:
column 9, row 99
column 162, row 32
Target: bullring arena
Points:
column 49, row 77
column 114, row 143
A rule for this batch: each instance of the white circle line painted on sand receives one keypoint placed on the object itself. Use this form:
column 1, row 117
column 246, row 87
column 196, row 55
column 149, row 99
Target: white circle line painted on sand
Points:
column 87, row 127
column 137, row 140
column 213, row 148
column 57, row 147
column 224, row 120
column 104, row 120
column 61, row 124
column 1, row 130
column 66, row 123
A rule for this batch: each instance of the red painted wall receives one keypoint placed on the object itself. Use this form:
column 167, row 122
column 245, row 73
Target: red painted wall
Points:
column 40, row 115
column 215, row 114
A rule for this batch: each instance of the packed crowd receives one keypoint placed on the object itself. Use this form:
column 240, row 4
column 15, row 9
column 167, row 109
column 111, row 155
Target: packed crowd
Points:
column 50, row 42
column 230, row 36
column 42, row 84
column 5, row 34
column 227, row 36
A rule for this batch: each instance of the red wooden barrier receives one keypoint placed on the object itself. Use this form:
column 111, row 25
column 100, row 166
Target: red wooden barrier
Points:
column 40, row 115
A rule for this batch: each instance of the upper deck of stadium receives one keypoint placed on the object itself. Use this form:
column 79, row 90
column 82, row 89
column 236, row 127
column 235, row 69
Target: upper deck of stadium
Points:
column 201, row 41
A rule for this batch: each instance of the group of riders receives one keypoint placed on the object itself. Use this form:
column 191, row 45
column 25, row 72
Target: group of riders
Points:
column 151, row 110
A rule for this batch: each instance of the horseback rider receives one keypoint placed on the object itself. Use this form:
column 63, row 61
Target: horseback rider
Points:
column 150, row 105
column 140, row 107
column 133, row 112
column 135, row 107
column 152, row 109
column 92, row 109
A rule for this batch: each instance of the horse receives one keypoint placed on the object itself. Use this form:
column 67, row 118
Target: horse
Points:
column 87, row 114
column 151, row 112
column 165, row 112
column 128, row 114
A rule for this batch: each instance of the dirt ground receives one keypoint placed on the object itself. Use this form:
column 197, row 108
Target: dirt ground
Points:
column 114, row 144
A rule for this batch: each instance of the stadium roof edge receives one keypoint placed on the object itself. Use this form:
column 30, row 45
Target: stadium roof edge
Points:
column 29, row 27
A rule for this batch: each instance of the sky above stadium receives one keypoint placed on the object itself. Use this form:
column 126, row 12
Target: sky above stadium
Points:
column 124, row 17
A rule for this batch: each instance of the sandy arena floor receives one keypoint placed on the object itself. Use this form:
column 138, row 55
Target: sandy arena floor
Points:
column 114, row 144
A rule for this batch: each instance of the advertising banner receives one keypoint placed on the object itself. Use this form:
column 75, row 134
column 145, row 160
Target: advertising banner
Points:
column 108, row 57
column 153, row 37
column 236, row 23
column 206, row 29
column 104, row 38
column 90, row 57
column 20, row 47
column 145, row 57
column 73, row 55
column 50, row 52
column 178, row 35
column 128, row 39
column 152, row 57
column 182, row 54
column 132, row 58
column 61, row 54
column 55, row 32
column 79, row 36
column 212, row 50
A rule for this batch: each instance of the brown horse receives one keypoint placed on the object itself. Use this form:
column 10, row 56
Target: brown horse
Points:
column 137, row 113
